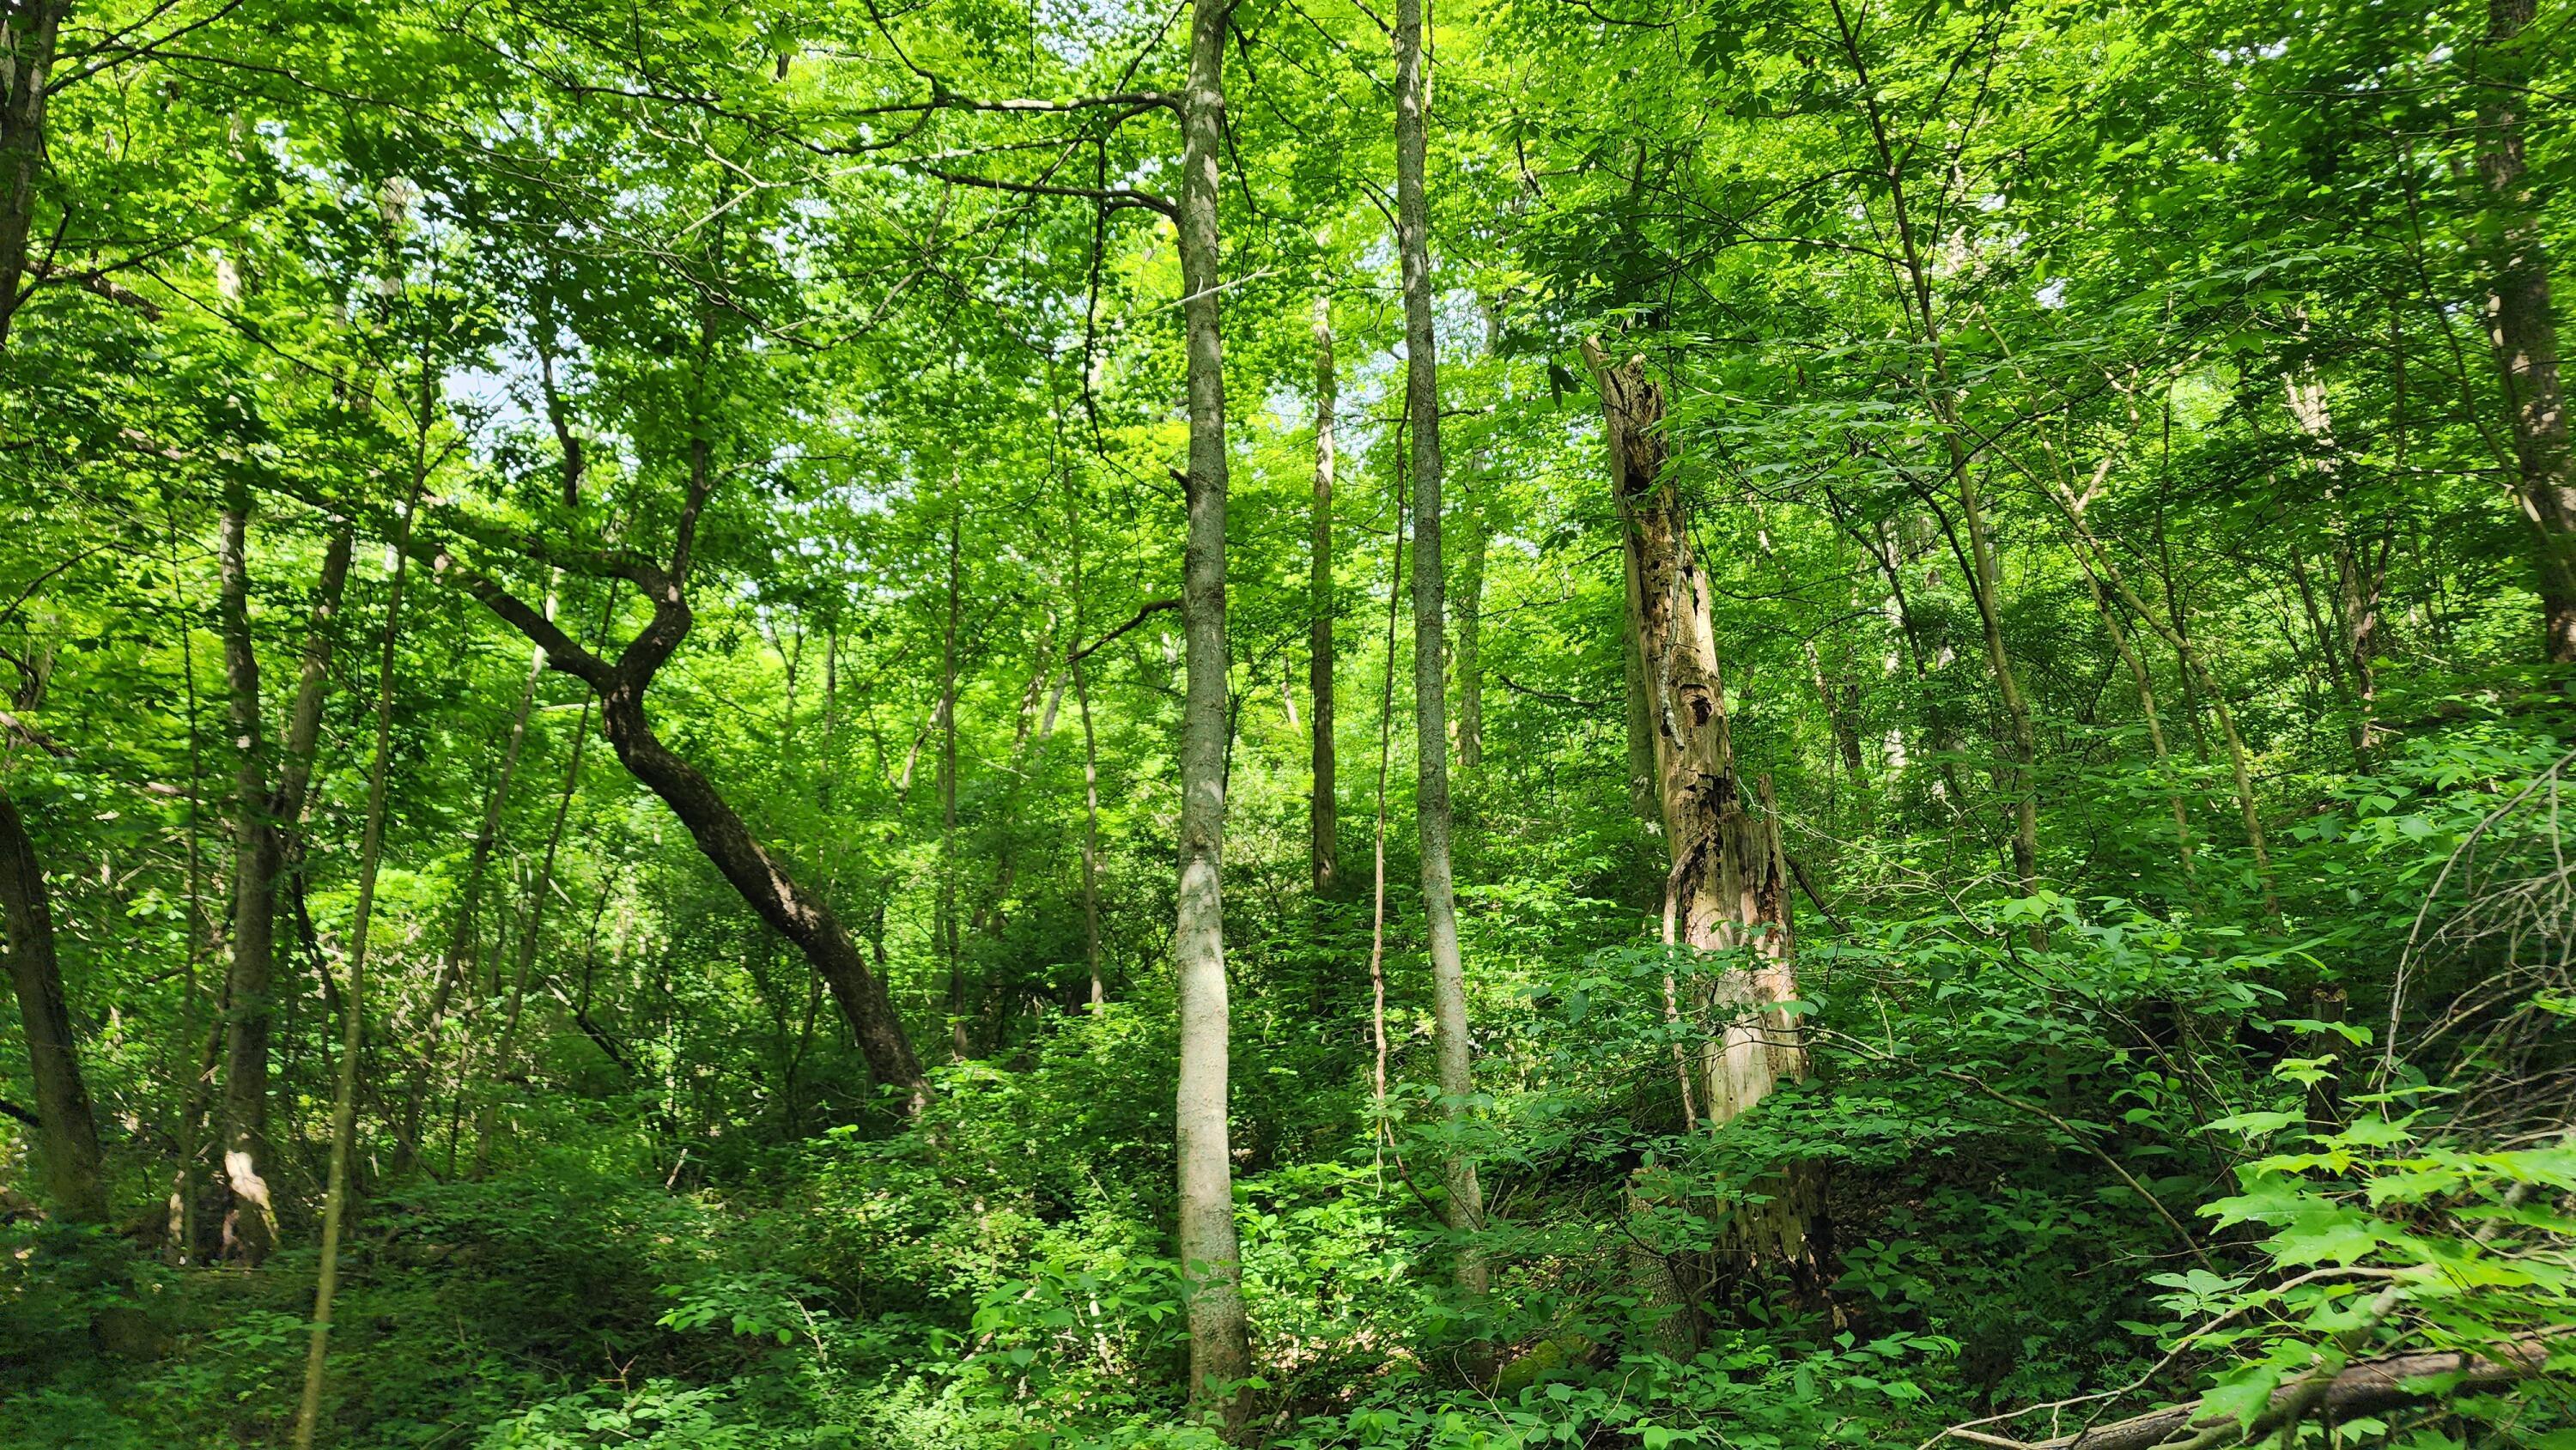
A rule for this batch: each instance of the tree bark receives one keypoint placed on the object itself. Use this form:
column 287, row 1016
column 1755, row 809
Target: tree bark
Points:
column 313, row 681
column 760, row 876
column 1463, row 1206
column 947, row 907
column 1470, row 611
column 27, row 33
column 353, row 1000
column 1323, row 819
column 66, row 1129
column 1090, row 761
column 2522, row 329
column 1211, row 1268
column 264, row 822
column 1728, row 882
column 2365, row 1387
column 1475, row 510
column 251, row 1222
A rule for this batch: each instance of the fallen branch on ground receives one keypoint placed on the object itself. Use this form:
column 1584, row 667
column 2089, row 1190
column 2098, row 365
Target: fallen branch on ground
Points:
column 2359, row 1388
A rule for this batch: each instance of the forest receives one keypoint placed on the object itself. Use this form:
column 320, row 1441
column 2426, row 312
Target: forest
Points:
column 1328, row 724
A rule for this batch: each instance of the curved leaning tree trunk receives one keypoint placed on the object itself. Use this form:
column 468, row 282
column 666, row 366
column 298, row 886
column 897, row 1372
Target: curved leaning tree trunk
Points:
column 759, row 875
column 1728, row 887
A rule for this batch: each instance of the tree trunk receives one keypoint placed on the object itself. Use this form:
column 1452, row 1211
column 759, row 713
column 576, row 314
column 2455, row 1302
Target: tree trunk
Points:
column 313, row 681
column 1090, row 839
column 1211, row 1269
column 1463, row 1206
column 1476, row 510
column 460, row 940
column 353, row 1000
column 505, row 1052
column 2521, row 327
column 27, row 32
column 1470, row 610
column 66, row 1130
column 1377, row 855
column 1640, row 710
column 1090, row 758
column 947, row 908
column 1323, row 820
column 761, row 877
column 251, row 1222
column 2097, row 561
column 767, row 885
column 1987, row 584
column 1728, row 882
column 2146, row 685
column 1984, row 581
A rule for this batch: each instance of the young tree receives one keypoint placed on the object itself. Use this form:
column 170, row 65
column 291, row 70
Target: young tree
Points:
column 1323, row 819
column 1464, row 1206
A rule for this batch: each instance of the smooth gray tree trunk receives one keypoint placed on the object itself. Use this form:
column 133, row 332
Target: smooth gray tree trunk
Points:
column 1211, row 1268
column 1463, row 1206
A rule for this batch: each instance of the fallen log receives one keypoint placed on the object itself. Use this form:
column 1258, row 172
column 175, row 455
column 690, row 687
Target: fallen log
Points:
column 2359, row 1388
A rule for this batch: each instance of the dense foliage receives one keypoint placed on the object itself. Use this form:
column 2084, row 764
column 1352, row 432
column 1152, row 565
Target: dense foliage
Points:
column 631, row 564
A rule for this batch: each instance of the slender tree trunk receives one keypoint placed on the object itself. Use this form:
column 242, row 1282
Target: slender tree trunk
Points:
column 2361, row 573
column 757, row 874
column 1984, row 581
column 1090, row 840
column 1729, row 884
column 1384, row 1130
column 1475, row 511
column 2146, row 685
column 947, row 912
column 2346, row 646
column 1987, row 584
column 353, row 999
column 505, row 1052
column 251, row 1223
column 1211, row 1269
column 27, row 32
column 1470, row 609
column 764, row 881
column 313, row 680
column 1323, row 819
column 1464, row 1206
column 66, row 1130
column 1640, row 708
column 2522, row 328
column 1090, row 760
column 2098, row 561
column 460, row 940
column 192, row 1112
